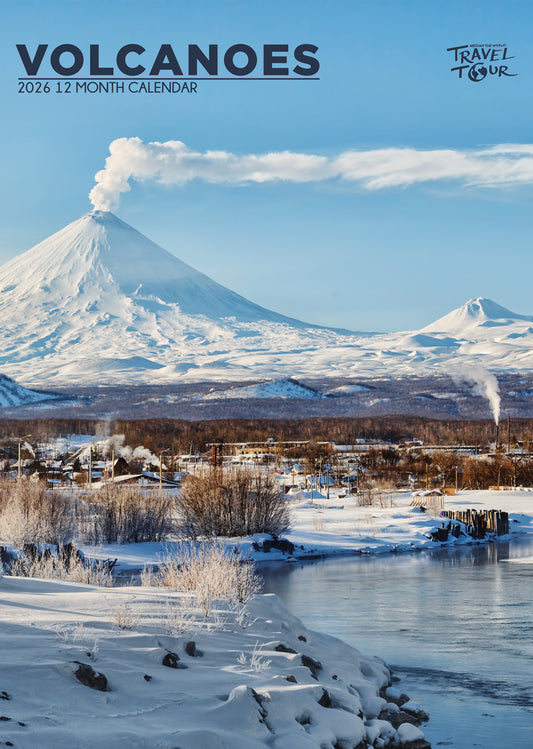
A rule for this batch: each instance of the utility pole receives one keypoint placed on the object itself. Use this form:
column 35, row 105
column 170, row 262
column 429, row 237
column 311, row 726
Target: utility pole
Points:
column 18, row 464
column 113, row 464
column 161, row 466
column 90, row 466
column 508, row 435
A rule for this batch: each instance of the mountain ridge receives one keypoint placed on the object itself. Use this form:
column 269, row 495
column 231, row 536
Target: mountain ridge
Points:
column 99, row 303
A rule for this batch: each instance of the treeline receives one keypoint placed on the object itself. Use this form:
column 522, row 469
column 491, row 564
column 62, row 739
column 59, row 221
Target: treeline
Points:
column 182, row 436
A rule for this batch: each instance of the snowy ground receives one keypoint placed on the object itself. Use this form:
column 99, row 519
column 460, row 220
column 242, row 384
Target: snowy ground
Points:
column 244, row 691
column 240, row 679
column 326, row 527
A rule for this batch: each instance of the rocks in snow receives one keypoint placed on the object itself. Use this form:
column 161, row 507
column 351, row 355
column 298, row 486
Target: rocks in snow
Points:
column 90, row 678
column 172, row 660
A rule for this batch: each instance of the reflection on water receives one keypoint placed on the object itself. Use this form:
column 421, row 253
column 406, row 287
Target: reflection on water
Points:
column 456, row 624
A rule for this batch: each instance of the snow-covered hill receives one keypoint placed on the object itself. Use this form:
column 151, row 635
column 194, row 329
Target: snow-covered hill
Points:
column 12, row 394
column 98, row 302
column 286, row 388
column 474, row 315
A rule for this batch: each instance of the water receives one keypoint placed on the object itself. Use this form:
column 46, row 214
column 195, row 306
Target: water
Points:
column 455, row 625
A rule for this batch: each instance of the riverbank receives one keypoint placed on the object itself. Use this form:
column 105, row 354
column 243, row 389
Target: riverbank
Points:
column 338, row 525
column 141, row 667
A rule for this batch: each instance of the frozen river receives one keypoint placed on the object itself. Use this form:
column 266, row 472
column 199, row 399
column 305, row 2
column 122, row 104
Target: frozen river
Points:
column 455, row 625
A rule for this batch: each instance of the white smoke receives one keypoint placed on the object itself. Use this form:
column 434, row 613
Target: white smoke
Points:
column 484, row 384
column 116, row 443
column 173, row 163
column 26, row 446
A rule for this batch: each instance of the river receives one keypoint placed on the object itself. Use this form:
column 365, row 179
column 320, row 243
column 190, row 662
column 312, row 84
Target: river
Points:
column 455, row 625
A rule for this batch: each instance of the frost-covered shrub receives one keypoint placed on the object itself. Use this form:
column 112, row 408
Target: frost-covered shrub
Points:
column 209, row 572
column 126, row 514
column 32, row 513
column 236, row 504
column 64, row 567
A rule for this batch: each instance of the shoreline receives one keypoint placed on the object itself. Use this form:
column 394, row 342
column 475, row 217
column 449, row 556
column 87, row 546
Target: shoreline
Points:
column 241, row 678
column 324, row 529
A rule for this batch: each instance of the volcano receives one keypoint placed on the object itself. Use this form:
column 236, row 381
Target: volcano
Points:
column 99, row 303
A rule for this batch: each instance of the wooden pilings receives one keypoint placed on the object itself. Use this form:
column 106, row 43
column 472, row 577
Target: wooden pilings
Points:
column 479, row 523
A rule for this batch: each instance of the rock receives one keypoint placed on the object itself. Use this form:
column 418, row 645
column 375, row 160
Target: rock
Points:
column 286, row 547
column 192, row 650
column 170, row 660
column 4, row 696
column 90, row 678
column 325, row 700
column 284, row 649
column 413, row 708
column 302, row 638
column 311, row 664
column 146, row 677
column 291, row 678
column 393, row 695
column 410, row 737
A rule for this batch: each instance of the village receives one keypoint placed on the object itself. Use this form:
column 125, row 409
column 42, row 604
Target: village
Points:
column 305, row 464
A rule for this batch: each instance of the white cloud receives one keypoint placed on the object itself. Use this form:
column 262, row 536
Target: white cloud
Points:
column 173, row 163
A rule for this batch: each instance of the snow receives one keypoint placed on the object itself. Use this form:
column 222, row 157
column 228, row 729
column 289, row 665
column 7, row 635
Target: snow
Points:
column 338, row 525
column 231, row 691
column 46, row 627
column 286, row 388
column 12, row 394
column 98, row 302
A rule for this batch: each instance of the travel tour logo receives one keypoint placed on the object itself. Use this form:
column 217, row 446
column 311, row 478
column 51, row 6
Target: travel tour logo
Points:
column 478, row 62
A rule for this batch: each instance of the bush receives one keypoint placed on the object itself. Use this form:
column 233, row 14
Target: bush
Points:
column 126, row 514
column 31, row 513
column 209, row 572
column 235, row 504
column 63, row 566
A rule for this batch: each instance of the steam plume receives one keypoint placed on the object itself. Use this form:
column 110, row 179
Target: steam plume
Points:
column 116, row 443
column 173, row 163
column 485, row 384
column 29, row 448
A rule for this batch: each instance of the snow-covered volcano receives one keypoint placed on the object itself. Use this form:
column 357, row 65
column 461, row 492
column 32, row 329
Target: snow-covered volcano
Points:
column 475, row 313
column 98, row 302
column 99, row 262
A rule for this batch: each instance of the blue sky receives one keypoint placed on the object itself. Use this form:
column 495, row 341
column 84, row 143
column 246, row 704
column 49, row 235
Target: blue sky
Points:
column 332, row 251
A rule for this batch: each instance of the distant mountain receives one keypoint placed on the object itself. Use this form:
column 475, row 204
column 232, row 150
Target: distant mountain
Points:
column 99, row 303
column 12, row 394
column 475, row 313
column 286, row 388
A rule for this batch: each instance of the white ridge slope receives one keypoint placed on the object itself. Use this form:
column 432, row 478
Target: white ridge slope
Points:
column 98, row 302
column 12, row 394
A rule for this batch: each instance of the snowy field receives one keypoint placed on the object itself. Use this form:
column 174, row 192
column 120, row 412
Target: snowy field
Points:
column 151, row 675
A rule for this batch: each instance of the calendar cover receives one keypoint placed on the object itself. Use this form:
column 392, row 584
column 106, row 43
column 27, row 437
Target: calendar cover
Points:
column 214, row 211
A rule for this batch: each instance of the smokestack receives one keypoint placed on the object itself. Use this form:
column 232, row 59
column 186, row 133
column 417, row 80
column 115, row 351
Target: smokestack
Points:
column 497, row 435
